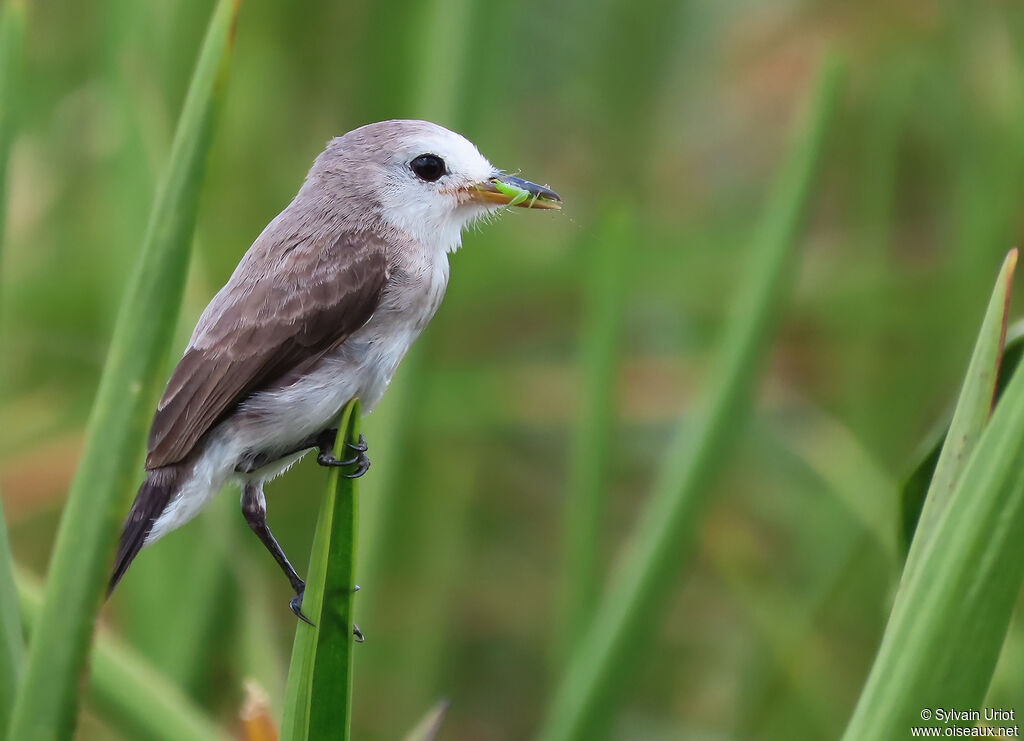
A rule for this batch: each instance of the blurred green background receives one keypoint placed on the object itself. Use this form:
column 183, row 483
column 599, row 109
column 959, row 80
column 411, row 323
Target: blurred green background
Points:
column 661, row 125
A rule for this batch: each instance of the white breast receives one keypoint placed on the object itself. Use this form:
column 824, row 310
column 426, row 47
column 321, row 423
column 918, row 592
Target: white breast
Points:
column 275, row 421
column 362, row 367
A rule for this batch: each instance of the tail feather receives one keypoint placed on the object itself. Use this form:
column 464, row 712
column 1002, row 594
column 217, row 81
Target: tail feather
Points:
column 150, row 501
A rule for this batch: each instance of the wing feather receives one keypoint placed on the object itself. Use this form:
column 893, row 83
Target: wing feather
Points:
column 277, row 312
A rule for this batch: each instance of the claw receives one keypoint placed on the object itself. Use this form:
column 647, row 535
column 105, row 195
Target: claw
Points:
column 364, row 466
column 326, row 458
column 357, row 633
column 359, row 446
column 296, row 604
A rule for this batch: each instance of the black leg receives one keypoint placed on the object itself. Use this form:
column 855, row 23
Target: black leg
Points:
column 254, row 507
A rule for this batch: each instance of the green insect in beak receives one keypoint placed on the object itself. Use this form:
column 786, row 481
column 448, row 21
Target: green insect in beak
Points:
column 509, row 190
column 517, row 194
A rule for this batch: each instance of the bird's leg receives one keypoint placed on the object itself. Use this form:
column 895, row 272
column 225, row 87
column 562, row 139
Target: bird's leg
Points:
column 251, row 462
column 326, row 457
column 254, row 508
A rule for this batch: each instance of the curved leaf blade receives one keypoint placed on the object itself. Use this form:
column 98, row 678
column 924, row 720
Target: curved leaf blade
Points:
column 597, row 668
column 12, row 38
column 11, row 640
column 126, row 690
column 973, row 407
column 430, row 724
column 951, row 612
column 592, row 444
column 318, row 696
column 46, row 702
column 916, row 486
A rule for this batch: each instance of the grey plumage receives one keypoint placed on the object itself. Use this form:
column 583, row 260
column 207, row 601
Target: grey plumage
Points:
column 275, row 320
column 319, row 311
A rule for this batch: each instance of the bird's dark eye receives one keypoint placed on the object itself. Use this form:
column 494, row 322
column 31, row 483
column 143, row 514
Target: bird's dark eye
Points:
column 428, row 167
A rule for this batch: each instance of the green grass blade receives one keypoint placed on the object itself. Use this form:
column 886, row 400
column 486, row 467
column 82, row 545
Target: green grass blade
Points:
column 126, row 691
column 592, row 445
column 435, row 90
column 183, row 583
column 793, row 626
column 973, row 407
column 430, row 724
column 915, row 488
column 256, row 658
column 11, row 640
column 599, row 666
column 12, row 35
column 435, row 80
column 12, row 29
column 1013, row 351
column 318, row 697
column 951, row 613
column 12, row 38
column 849, row 473
column 108, row 470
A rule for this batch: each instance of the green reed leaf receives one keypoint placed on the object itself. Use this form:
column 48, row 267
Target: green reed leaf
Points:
column 46, row 703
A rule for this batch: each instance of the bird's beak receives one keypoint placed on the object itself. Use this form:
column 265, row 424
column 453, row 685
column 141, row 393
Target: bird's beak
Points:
column 512, row 191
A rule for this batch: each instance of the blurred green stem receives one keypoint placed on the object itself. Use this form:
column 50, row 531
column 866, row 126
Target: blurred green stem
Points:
column 602, row 661
column 586, row 499
column 394, row 488
column 257, row 657
column 872, row 205
column 12, row 34
column 11, row 640
column 108, row 469
column 182, row 583
column 791, row 627
column 973, row 407
column 127, row 691
column 436, row 81
column 951, row 612
column 12, row 38
column 430, row 724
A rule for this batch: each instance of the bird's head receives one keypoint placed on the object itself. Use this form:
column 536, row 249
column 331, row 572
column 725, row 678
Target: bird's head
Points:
column 423, row 179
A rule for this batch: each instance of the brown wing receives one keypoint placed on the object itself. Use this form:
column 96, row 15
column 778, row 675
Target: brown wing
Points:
column 278, row 310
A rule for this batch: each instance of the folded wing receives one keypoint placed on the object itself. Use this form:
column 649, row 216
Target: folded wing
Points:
column 282, row 308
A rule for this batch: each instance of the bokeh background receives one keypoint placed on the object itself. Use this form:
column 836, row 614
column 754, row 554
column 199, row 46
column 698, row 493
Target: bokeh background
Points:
column 661, row 124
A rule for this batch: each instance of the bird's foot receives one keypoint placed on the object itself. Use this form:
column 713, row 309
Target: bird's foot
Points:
column 363, row 467
column 355, row 628
column 360, row 460
column 359, row 445
column 296, row 604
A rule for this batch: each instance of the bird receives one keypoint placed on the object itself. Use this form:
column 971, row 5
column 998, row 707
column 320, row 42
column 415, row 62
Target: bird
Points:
column 319, row 312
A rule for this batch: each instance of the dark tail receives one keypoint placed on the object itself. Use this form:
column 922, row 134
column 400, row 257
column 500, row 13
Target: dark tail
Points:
column 154, row 494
